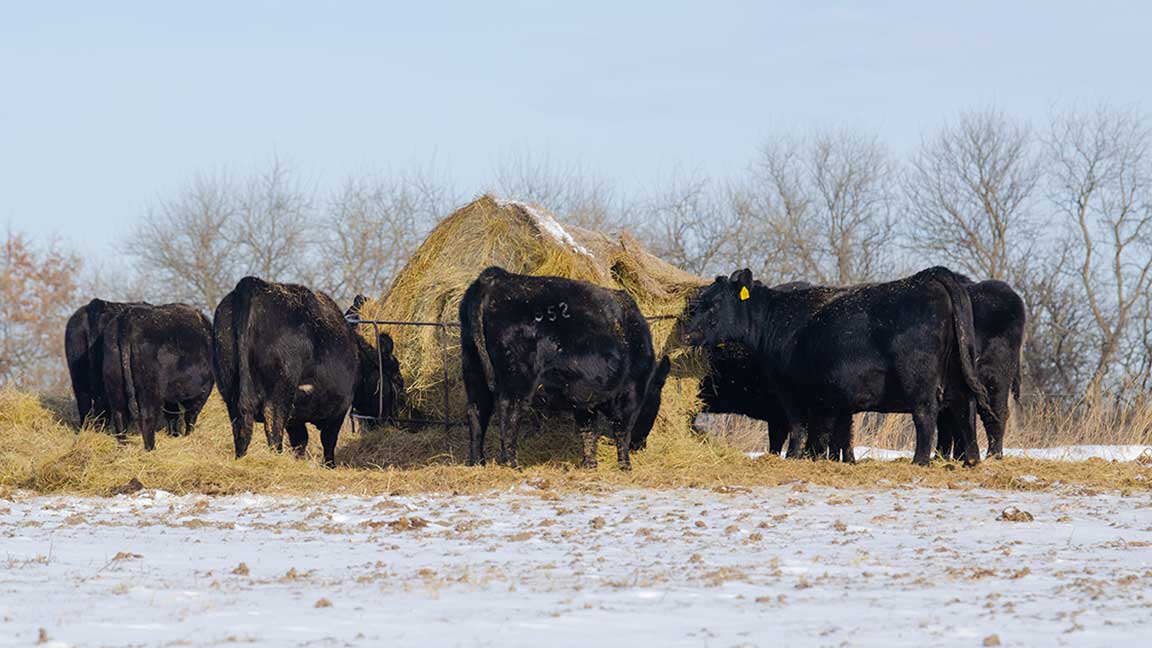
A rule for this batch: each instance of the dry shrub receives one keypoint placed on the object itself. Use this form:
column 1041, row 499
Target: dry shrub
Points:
column 526, row 239
column 40, row 452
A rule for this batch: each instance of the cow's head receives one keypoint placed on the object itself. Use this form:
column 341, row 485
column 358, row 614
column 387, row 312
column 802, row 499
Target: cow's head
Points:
column 379, row 385
column 720, row 313
column 354, row 310
column 651, row 405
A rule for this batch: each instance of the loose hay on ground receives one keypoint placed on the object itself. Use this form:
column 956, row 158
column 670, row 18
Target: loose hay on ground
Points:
column 40, row 451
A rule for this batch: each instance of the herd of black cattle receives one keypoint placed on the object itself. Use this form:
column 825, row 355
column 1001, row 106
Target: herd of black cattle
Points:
column 803, row 358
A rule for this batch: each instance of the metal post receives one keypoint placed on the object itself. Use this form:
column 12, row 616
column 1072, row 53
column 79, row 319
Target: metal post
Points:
column 380, row 370
column 447, row 394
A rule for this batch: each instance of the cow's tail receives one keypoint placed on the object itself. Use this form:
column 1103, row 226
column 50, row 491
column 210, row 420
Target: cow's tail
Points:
column 965, row 334
column 1016, row 383
column 129, row 384
column 476, row 317
column 481, row 343
column 242, row 330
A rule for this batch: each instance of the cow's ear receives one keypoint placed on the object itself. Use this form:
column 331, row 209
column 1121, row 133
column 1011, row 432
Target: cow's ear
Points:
column 744, row 282
column 385, row 342
column 742, row 277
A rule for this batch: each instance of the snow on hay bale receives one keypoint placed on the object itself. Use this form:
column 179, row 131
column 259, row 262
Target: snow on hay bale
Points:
column 527, row 239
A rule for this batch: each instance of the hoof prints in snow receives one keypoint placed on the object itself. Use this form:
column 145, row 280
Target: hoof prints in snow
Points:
column 806, row 565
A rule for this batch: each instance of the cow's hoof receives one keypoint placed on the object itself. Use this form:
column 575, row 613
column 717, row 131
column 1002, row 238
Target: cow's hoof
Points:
column 587, row 465
column 624, row 467
column 921, row 461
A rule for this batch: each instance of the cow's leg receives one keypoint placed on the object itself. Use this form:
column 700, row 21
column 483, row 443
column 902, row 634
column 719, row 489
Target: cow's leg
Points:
column 964, row 440
column 946, row 431
column 624, row 443
column 149, row 421
column 820, row 435
column 119, row 426
column 841, row 446
column 995, row 431
column 192, row 409
column 479, row 414
column 586, row 423
column 100, row 411
column 508, row 412
column 630, row 408
column 274, row 420
column 172, row 419
column 924, row 417
column 797, row 432
column 329, row 434
column 83, row 405
column 242, row 432
column 297, row 436
column 797, row 428
column 998, row 397
column 779, row 427
column 501, row 413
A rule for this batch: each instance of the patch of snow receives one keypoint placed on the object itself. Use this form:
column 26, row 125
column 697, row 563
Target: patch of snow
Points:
column 1058, row 453
column 546, row 223
column 760, row 566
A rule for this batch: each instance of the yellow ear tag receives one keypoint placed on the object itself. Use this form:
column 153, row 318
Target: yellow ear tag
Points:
column 744, row 293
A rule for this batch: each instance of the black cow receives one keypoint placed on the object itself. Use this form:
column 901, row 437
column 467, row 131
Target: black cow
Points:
column 902, row 346
column 734, row 384
column 284, row 356
column 999, row 317
column 84, row 352
column 561, row 345
column 157, row 362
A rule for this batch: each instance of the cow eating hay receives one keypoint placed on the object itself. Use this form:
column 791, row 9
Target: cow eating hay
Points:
column 526, row 239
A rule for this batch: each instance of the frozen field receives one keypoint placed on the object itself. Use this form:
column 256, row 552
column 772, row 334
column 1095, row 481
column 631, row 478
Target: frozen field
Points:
column 794, row 565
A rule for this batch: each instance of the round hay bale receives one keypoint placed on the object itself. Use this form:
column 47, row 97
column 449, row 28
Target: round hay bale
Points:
column 527, row 239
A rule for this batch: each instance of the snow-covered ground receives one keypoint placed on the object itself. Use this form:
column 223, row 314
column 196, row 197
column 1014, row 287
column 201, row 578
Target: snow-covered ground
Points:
column 794, row 565
column 1057, row 453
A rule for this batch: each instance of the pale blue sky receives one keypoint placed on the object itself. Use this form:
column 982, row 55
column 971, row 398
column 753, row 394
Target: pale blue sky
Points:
column 105, row 105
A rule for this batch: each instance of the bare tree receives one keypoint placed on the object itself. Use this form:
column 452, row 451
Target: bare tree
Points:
column 1056, row 352
column 1142, row 372
column 195, row 244
column 688, row 223
column 184, row 242
column 375, row 223
column 968, row 191
column 818, row 207
column 274, row 222
column 37, row 294
column 576, row 194
column 1101, row 185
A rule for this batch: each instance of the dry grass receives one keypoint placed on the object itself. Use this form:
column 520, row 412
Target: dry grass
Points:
column 1037, row 425
column 41, row 451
